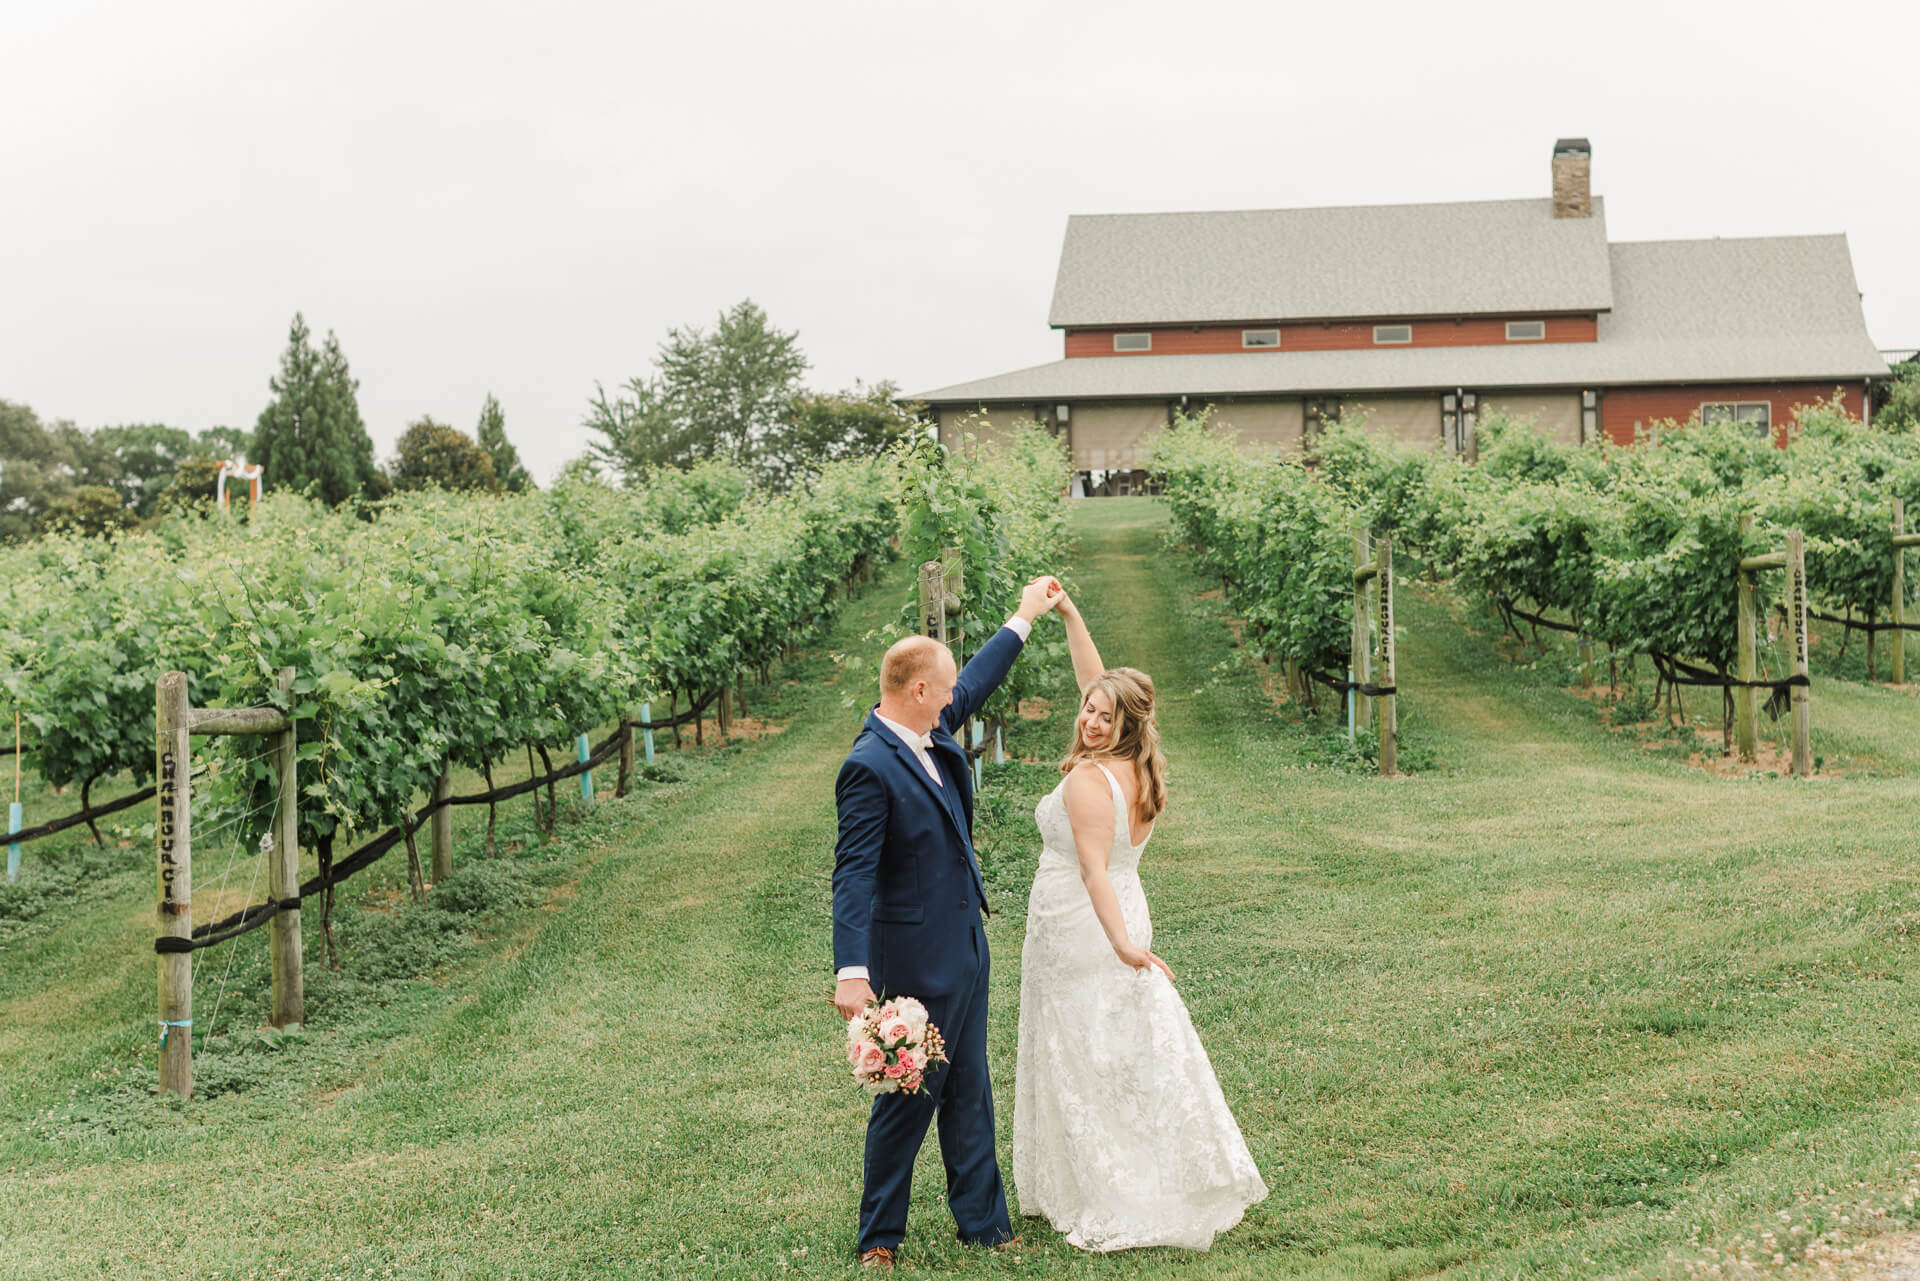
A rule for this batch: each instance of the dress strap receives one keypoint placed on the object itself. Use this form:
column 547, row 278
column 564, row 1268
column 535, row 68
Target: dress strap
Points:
column 1119, row 799
column 1120, row 803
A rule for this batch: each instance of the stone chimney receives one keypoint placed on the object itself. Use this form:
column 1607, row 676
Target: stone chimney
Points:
column 1572, row 178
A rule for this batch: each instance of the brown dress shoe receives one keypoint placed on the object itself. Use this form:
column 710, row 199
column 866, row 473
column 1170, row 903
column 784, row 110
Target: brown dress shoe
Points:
column 880, row 1256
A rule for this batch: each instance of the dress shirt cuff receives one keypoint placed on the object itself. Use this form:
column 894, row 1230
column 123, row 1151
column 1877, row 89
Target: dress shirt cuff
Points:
column 1020, row 627
column 846, row 972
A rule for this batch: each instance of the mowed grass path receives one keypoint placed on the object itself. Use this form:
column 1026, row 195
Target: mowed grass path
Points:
column 1554, row 1007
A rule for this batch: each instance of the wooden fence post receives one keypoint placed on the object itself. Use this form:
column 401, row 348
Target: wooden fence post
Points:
column 1359, row 656
column 1389, row 704
column 626, row 756
column 1899, row 590
column 933, row 601
column 173, row 753
column 1746, row 725
column 1802, row 695
column 443, row 826
column 283, row 873
column 15, row 816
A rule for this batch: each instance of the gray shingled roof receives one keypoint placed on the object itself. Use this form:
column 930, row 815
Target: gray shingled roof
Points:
column 1685, row 311
column 1366, row 262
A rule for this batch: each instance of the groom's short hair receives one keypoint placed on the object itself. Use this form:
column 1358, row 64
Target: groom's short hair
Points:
column 910, row 659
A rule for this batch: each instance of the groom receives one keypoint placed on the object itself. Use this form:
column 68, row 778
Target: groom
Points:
column 907, row 900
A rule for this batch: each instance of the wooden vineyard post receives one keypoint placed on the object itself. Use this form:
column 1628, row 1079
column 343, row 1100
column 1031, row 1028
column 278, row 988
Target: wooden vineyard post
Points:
column 1802, row 695
column 1746, row 728
column 175, row 722
column 443, row 826
column 283, row 873
column 1899, row 592
column 14, row 814
column 933, row 601
column 174, row 838
column 1901, row 541
column 1359, row 654
column 955, row 583
column 1389, row 724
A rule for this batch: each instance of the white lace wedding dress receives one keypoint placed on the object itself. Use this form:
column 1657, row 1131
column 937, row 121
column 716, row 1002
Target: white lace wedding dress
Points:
column 1121, row 1137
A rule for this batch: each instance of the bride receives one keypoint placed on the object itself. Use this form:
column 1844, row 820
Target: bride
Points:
column 1121, row 1137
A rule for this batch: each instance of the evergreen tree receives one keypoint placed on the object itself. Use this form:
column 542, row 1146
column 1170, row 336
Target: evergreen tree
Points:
column 311, row 435
column 492, row 437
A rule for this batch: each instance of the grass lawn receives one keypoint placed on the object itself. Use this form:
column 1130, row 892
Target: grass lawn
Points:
column 1556, row 1005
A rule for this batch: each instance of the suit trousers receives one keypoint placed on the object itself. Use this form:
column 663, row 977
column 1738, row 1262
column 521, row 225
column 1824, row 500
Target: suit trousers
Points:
column 960, row 1093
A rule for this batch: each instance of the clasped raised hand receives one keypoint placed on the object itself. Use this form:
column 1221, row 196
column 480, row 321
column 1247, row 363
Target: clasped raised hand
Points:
column 1042, row 594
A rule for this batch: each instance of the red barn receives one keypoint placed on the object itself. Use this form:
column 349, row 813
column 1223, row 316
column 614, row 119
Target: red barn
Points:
column 1426, row 318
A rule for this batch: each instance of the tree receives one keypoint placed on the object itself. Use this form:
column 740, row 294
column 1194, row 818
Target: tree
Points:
column 735, row 382
column 311, row 435
column 431, row 453
column 491, row 436
column 89, row 509
column 146, row 457
column 35, row 470
column 717, row 395
column 195, row 484
column 223, row 443
column 641, row 431
column 1896, row 404
column 824, row 427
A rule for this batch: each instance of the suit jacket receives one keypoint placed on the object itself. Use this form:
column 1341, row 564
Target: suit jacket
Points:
column 906, row 884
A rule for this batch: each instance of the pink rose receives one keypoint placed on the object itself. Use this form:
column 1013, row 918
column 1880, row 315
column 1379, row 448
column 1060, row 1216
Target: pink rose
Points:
column 911, row 1061
column 872, row 1058
column 895, row 1030
column 894, row 1071
column 910, row 1082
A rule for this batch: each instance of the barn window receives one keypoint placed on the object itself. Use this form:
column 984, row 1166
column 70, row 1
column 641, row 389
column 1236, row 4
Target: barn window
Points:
column 1388, row 335
column 1259, row 337
column 1133, row 342
column 1756, row 414
column 1526, row 330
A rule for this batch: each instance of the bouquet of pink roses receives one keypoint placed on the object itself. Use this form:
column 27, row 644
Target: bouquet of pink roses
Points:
column 891, row 1045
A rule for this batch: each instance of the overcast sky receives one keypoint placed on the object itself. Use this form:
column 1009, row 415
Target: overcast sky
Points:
column 522, row 198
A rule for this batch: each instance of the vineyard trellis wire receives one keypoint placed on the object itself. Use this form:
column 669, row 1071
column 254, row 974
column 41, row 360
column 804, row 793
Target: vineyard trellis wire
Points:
column 426, row 633
column 1636, row 547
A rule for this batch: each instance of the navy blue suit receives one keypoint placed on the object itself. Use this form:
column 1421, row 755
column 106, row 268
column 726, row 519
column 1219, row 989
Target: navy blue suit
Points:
column 907, row 899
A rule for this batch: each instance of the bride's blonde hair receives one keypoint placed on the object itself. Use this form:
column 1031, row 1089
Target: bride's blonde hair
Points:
column 1135, row 738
